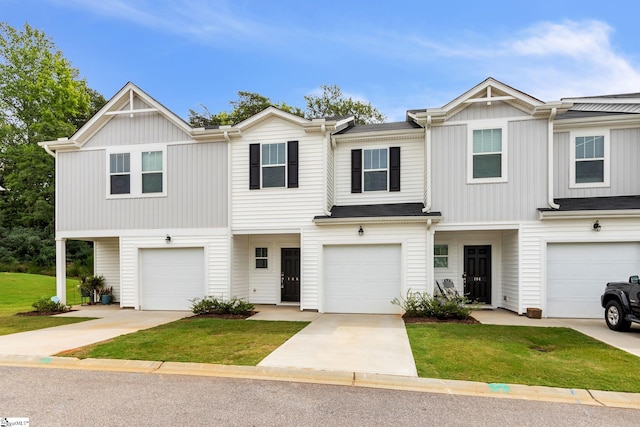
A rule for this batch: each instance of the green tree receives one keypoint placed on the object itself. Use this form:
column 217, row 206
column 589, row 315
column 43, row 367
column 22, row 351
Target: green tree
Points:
column 247, row 105
column 42, row 98
column 333, row 103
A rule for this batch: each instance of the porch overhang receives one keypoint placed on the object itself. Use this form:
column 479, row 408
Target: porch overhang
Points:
column 396, row 213
column 590, row 207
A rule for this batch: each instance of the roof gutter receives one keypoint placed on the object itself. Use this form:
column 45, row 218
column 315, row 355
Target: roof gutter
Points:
column 379, row 220
column 48, row 150
column 620, row 213
column 551, row 202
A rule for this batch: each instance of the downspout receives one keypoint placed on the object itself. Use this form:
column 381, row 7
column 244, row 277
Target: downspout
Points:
column 552, row 204
column 230, row 245
column 427, row 165
column 325, row 172
column 48, row 150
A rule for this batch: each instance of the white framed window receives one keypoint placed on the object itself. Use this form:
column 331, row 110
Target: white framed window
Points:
column 262, row 258
column 441, row 256
column 273, row 165
column 136, row 171
column 589, row 158
column 375, row 169
column 119, row 173
column 487, row 153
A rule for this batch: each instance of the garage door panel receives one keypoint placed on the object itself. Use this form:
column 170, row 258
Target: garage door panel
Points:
column 361, row 279
column 171, row 277
column 578, row 272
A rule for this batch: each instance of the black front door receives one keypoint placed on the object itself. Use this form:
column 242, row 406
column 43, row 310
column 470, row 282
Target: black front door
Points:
column 477, row 273
column 290, row 275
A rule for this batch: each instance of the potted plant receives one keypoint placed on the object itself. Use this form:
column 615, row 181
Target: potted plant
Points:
column 90, row 286
column 106, row 295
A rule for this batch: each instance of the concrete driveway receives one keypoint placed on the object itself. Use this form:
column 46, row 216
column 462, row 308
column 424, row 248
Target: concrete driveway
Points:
column 112, row 322
column 348, row 342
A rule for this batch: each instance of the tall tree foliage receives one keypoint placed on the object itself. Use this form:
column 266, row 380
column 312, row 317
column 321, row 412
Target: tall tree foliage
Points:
column 332, row 103
column 247, row 105
column 42, row 98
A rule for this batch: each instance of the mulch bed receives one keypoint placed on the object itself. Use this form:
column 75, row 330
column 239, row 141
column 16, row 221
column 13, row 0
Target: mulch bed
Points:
column 224, row 316
column 39, row 313
column 468, row 321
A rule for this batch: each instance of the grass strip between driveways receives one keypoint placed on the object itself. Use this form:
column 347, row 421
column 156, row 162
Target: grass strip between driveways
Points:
column 201, row 340
column 553, row 357
column 18, row 291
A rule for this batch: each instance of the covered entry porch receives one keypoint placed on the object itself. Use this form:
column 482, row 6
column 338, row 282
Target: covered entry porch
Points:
column 482, row 264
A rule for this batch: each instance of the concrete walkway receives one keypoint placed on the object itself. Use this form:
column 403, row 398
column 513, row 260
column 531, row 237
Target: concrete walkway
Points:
column 595, row 328
column 376, row 344
column 113, row 322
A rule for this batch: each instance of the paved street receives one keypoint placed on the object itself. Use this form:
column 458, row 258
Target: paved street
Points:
column 52, row 397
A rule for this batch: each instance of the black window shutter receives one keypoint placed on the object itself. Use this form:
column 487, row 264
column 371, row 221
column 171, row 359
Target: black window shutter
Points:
column 394, row 169
column 292, row 164
column 356, row 171
column 254, row 166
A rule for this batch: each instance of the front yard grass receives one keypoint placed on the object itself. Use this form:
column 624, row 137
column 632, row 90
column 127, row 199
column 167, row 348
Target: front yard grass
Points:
column 553, row 357
column 18, row 291
column 201, row 340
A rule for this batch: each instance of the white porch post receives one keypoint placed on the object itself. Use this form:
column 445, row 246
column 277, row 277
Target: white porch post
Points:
column 430, row 273
column 61, row 270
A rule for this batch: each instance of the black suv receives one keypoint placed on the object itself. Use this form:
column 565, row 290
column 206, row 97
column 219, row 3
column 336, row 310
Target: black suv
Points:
column 621, row 302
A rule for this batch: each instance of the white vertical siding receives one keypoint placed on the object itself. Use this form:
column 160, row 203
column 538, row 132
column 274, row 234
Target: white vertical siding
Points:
column 196, row 192
column 625, row 174
column 412, row 238
column 517, row 199
column 106, row 262
column 411, row 173
column 278, row 208
column 218, row 263
column 240, row 272
column 510, row 270
column 480, row 111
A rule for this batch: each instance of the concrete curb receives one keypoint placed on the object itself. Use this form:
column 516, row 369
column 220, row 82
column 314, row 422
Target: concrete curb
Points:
column 354, row 379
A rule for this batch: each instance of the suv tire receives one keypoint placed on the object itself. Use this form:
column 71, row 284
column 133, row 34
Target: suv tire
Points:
column 614, row 316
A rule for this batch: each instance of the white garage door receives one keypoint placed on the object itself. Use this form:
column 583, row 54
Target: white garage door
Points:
column 171, row 277
column 578, row 272
column 361, row 279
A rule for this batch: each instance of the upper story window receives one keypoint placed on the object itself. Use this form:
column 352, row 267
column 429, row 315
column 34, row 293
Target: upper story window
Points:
column 376, row 169
column 136, row 173
column 152, row 172
column 273, row 165
column 120, row 173
column 590, row 159
column 487, row 161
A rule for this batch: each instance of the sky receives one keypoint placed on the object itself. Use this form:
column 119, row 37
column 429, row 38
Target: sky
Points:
column 396, row 55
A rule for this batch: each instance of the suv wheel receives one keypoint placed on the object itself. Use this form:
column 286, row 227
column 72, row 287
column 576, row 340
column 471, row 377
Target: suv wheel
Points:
column 614, row 316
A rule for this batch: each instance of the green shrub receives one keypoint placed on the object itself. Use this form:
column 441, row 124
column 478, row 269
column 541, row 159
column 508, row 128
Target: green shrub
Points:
column 213, row 305
column 46, row 305
column 421, row 304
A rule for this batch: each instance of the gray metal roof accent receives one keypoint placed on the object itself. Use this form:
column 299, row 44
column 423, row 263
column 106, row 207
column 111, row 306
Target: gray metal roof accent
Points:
column 380, row 127
column 616, row 96
column 576, row 114
column 596, row 204
column 384, row 210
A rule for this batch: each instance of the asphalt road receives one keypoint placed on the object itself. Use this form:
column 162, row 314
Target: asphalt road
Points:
column 57, row 397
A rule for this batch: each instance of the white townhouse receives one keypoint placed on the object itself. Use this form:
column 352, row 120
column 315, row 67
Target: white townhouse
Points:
column 521, row 203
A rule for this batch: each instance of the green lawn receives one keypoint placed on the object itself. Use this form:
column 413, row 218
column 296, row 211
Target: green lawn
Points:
column 203, row 340
column 555, row 357
column 18, row 291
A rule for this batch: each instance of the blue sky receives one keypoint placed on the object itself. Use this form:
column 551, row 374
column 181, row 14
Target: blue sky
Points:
column 396, row 55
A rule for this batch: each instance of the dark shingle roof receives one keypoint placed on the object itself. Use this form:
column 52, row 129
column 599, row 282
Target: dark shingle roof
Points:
column 379, row 127
column 385, row 210
column 596, row 204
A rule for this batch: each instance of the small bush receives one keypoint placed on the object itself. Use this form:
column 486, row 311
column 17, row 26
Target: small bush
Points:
column 45, row 305
column 421, row 304
column 213, row 305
